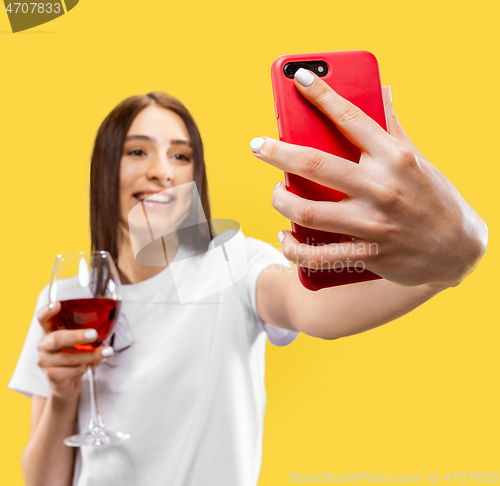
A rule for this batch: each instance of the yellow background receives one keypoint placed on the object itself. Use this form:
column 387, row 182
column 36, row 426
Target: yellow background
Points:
column 417, row 395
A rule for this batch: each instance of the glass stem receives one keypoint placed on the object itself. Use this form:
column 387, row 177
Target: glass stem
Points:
column 95, row 418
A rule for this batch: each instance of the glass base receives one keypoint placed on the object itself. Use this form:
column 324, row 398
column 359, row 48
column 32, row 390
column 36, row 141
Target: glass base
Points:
column 96, row 437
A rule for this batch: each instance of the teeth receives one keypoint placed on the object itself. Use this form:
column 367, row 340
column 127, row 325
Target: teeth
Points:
column 162, row 198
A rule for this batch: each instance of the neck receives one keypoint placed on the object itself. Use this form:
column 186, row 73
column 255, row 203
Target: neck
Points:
column 130, row 270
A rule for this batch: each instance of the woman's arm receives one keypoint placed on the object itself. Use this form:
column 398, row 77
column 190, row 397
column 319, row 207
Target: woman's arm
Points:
column 335, row 312
column 46, row 459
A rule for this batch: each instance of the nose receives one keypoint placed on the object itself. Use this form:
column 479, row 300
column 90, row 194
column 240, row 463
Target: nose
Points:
column 160, row 169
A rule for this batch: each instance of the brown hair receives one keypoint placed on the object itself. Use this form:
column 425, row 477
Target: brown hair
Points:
column 105, row 217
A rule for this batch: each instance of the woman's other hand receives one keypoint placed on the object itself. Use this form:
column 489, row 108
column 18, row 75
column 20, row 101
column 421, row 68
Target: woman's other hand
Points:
column 405, row 220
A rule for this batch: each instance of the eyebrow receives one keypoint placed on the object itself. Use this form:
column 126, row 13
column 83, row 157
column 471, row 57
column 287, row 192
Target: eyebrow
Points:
column 146, row 138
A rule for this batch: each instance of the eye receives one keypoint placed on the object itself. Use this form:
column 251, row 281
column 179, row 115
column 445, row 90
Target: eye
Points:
column 180, row 156
column 136, row 152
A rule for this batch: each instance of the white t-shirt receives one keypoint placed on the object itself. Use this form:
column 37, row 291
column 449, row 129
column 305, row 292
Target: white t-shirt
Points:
column 189, row 390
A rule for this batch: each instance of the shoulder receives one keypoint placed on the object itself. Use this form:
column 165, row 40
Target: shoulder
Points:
column 28, row 378
column 43, row 297
column 42, row 300
column 260, row 246
column 264, row 254
column 247, row 246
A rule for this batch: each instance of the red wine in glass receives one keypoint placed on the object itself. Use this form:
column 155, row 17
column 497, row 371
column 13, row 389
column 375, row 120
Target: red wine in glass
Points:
column 99, row 314
column 88, row 288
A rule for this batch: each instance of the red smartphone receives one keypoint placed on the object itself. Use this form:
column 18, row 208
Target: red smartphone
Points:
column 354, row 75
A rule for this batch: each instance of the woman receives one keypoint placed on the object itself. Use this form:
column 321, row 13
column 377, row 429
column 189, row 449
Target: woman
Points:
column 190, row 390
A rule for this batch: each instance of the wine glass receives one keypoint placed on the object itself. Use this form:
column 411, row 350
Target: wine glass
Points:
column 89, row 289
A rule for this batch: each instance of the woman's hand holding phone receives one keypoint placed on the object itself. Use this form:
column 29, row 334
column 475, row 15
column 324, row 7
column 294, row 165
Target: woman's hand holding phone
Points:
column 406, row 221
column 64, row 370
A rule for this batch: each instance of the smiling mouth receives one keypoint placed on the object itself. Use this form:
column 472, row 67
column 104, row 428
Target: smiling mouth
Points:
column 157, row 198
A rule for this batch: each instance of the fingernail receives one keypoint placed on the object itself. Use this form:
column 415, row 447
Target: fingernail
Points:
column 277, row 185
column 52, row 305
column 304, row 77
column 281, row 236
column 256, row 144
column 107, row 351
column 390, row 94
column 90, row 334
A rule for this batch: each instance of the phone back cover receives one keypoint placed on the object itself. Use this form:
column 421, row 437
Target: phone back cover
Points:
column 354, row 75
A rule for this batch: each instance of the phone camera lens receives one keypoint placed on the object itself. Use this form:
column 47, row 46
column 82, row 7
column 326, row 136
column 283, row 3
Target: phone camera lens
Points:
column 289, row 71
column 321, row 69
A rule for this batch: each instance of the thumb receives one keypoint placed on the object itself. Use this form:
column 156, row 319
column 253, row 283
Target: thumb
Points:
column 393, row 126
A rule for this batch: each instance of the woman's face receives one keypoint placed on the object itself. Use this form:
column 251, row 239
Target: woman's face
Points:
column 156, row 165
